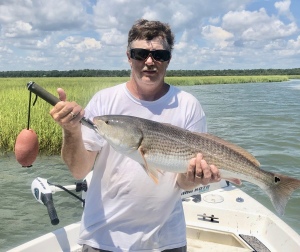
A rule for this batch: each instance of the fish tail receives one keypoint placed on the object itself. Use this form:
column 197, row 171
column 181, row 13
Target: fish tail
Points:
column 281, row 190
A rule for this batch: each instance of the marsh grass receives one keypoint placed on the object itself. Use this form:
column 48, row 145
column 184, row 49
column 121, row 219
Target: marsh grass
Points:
column 14, row 98
column 204, row 80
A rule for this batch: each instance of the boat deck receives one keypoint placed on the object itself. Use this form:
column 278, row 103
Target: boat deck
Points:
column 226, row 219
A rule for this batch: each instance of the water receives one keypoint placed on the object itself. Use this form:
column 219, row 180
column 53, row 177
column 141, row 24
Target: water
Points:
column 263, row 118
column 22, row 217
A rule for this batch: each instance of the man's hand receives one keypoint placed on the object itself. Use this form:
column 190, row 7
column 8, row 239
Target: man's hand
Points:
column 67, row 114
column 198, row 172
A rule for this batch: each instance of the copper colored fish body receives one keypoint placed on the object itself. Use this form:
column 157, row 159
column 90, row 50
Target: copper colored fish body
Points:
column 158, row 146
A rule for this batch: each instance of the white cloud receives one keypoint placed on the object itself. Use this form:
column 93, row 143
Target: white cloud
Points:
column 284, row 9
column 114, row 37
column 257, row 26
column 36, row 59
column 214, row 20
column 217, row 35
column 44, row 43
column 93, row 33
column 237, row 21
column 283, row 6
column 5, row 49
column 18, row 29
column 80, row 44
column 294, row 44
column 44, row 15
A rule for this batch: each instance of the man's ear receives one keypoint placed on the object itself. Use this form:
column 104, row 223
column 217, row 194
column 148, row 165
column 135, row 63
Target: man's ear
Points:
column 129, row 59
column 169, row 60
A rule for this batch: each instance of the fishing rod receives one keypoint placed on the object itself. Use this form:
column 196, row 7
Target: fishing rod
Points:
column 26, row 145
column 53, row 100
column 26, row 151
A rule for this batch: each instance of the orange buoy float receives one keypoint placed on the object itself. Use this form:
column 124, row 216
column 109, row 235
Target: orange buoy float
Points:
column 26, row 147
column 27, row 144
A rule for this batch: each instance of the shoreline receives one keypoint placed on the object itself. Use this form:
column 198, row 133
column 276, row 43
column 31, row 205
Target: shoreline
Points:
column 14, row 103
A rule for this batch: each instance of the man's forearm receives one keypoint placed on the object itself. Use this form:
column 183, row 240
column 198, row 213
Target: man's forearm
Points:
column 77, row 158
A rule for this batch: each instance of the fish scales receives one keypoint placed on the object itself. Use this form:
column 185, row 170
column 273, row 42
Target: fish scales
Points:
column 158, row 146
column 161, row 142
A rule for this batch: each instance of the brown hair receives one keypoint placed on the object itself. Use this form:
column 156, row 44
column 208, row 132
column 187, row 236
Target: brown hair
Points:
column 144, row 29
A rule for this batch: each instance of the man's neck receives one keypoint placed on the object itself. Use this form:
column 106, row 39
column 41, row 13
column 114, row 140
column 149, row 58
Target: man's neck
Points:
column 147, row 93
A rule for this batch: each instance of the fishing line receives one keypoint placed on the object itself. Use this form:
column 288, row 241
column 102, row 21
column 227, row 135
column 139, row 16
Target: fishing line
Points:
column 29, row 109
column 27, row 144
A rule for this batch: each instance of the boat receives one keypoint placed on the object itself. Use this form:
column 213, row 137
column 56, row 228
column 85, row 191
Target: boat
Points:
column 219, row 217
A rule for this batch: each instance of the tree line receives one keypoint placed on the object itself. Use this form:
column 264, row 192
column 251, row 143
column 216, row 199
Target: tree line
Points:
column 126, row 73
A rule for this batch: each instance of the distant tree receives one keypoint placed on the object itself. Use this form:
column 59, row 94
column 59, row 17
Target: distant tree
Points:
column 124, row 73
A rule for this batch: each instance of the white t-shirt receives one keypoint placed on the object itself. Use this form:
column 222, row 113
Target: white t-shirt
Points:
column 125, row 210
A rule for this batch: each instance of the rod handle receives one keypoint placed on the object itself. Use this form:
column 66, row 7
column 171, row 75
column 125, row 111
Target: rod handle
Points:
column 41, row 92
column 50, row 98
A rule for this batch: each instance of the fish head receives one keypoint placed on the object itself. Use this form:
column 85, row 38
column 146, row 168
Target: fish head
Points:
column 124, row 136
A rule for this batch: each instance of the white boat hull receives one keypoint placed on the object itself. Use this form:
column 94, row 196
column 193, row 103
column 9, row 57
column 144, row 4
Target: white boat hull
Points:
column 238, row 215
column 217, row 222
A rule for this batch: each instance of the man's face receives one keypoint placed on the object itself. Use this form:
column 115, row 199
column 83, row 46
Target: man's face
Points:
column 148, row 72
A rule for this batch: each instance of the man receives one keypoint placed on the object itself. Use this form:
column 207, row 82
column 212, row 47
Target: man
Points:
column 125, row 210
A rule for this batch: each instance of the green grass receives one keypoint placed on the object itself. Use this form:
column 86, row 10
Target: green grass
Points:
column 14, row 103
column 204, row 80
column 294, row 76
column 14, row 98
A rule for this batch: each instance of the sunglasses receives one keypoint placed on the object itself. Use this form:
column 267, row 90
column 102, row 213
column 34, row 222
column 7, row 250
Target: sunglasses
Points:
column 143, row 54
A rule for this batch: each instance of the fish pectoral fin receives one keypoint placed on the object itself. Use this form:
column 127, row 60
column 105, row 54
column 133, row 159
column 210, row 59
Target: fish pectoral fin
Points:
column 152, row 173
column 160, row 171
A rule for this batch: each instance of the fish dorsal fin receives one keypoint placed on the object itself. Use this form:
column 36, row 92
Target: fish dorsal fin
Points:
column 219, row 140
column 230, row 145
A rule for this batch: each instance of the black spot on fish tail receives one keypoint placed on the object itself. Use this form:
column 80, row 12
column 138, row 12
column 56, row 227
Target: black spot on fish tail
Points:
column 277, row 179
column 281, row 190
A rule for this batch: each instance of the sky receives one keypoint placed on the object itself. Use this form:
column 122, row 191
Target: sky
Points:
column 91, row 34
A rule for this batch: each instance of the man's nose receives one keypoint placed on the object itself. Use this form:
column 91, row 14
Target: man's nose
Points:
column 149, row 60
